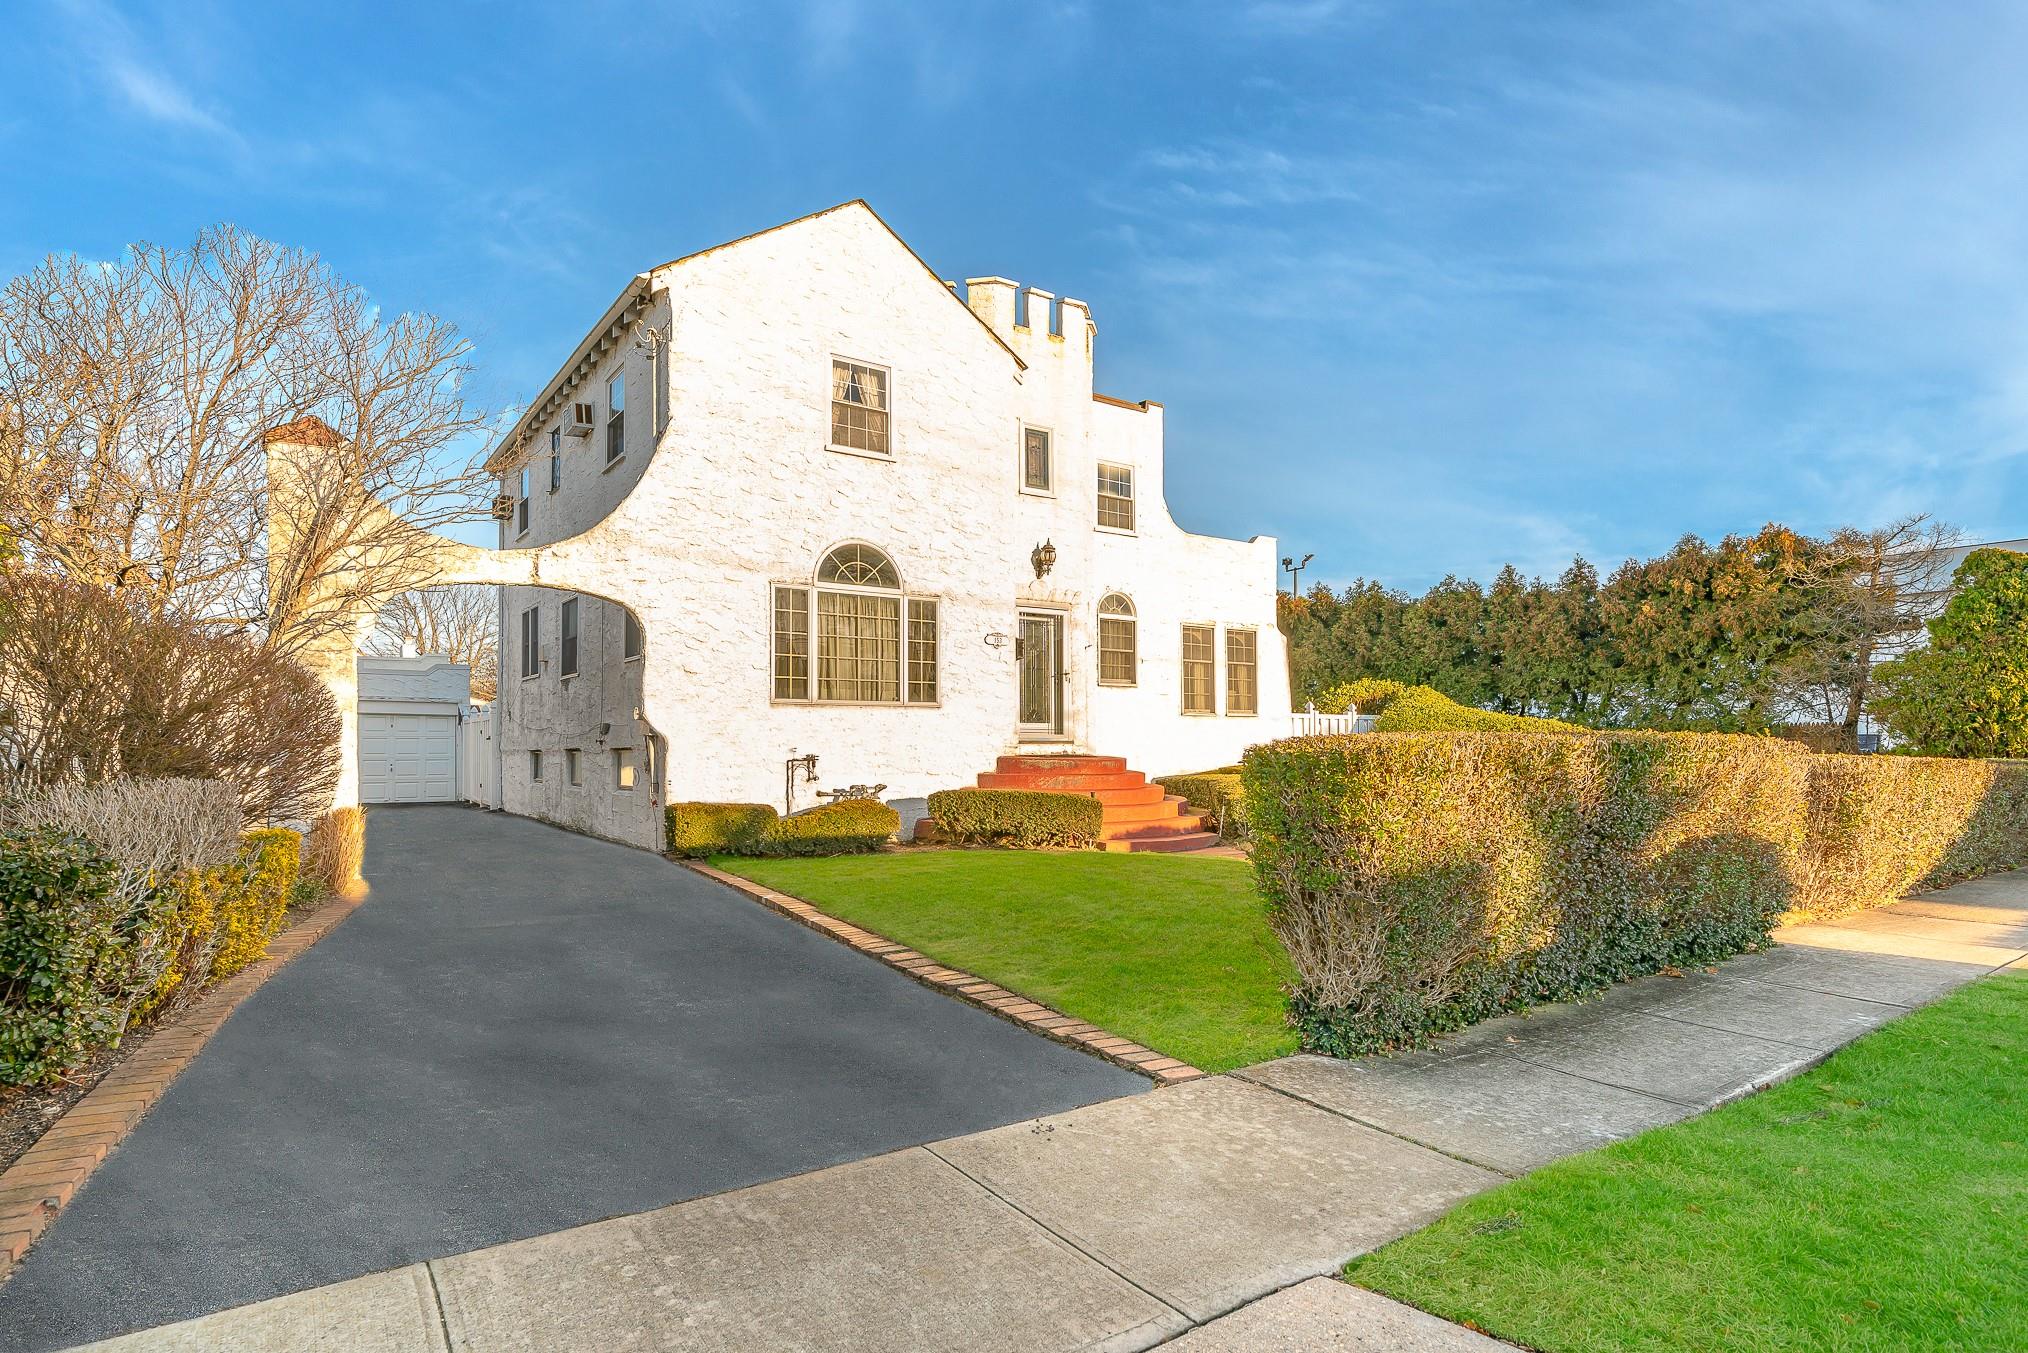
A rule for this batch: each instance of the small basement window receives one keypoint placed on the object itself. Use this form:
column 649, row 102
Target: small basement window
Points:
column 623, row 768
column 573, row 765
column 534, row 765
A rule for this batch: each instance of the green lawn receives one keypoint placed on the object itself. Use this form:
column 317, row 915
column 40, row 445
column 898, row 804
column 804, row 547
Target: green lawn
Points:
column 1878, row 1203
column 1173, row 953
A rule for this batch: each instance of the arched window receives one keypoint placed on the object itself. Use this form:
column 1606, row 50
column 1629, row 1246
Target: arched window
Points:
column 869, row 644
column 1118, row 653
column 857, row 565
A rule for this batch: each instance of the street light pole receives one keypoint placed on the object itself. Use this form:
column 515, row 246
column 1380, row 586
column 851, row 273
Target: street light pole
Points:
column 1295, row 571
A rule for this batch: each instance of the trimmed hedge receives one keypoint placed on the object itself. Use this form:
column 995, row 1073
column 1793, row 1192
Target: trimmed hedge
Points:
column 1421, row 883
column 694, row 830
column 1217, row 794
column 1421, row 709
column 67, row 954
column 845, row 827
column 1882, row 826
column 219, row 920
column 1368, row 695
column 1017, row 817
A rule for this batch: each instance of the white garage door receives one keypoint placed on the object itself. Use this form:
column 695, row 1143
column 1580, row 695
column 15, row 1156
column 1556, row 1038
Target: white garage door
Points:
column 408, row 758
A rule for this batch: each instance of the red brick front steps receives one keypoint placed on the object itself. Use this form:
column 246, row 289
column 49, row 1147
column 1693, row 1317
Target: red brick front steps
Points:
column 48, row 1174
column 1008, row 1005
column 1138, row 816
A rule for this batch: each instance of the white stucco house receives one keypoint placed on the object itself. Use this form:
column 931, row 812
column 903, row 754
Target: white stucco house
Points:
column 796, row 495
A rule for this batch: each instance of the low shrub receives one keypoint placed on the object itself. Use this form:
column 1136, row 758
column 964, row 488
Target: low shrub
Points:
column 1421, row 709
column 1368, row 695
column 1022, row 818
column 263, row 880
column 1881, row 826
column 1217, row 794
column 694, row 830
column 67, row 953
column 846, row 827
column 334, row 849
column 1423, row 882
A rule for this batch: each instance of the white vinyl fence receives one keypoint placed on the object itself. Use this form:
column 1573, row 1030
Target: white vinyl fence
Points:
column 1308, row 722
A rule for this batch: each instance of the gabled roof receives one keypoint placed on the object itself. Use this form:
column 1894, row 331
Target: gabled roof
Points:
column 636, row 288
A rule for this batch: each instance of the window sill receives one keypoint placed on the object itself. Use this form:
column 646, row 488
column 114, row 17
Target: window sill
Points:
column 1028, row 491
column 632, row 658
column 1116, row 530
column 791, row 703
column 1052, row 738
column 885, row 456
column 531, row 676
column 1118, row 685
column 620, row 459
column 1200, row 713
column 1242, row 714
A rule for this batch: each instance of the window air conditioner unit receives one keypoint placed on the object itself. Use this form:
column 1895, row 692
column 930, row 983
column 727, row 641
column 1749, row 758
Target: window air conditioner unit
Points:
column 579, row 421
column 503, row 506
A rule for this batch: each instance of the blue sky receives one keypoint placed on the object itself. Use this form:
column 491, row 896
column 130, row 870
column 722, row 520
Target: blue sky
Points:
column 1426, row 287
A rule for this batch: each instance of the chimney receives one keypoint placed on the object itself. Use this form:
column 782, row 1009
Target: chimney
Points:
column 992, row 300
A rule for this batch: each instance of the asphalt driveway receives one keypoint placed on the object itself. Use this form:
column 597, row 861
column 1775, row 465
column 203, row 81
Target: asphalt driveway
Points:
column 521, row 1030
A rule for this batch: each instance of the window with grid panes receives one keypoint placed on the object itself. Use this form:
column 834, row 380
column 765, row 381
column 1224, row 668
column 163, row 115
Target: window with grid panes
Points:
column 1116, row 497
column 858, row 406
column 1118, row 660
column 1242, row 673
column 854, row 637
column 1200, row 695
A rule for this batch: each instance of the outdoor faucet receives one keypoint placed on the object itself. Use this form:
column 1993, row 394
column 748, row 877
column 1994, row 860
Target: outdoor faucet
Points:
column 808, row 765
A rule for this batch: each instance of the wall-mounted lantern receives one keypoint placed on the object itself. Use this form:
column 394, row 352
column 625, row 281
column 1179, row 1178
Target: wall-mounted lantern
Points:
column 1043, row 556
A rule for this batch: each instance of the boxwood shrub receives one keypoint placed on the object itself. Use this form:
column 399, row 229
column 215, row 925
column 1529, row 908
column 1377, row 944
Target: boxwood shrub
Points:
column 845, row 827
column 1423, row 882
column 695, row 830
column 1368, row 695
column 67, row 953
column 1017, row 817
column 1217, row 794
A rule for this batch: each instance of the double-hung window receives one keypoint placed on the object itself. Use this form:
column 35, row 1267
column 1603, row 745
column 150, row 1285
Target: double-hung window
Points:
column 624, row 768
column 1117, row 642
column 566, row 640
column 1242, row 672
column 853, row 636
column 1116, row 497
column 531, row 642
column 1038, row 467
column 616, row 417
column 1200, row 670
column 555, row 459
column 858, row 407
column 521, row 505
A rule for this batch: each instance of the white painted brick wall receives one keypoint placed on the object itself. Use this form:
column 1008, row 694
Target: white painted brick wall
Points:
column 741, row 493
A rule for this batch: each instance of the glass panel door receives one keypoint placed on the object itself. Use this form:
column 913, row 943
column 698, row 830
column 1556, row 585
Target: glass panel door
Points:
column 1039, row 658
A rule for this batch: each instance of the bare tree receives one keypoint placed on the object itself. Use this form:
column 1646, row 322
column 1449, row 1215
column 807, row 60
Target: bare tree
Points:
column 460, row 623
column 135, row 399
column 1880, row 587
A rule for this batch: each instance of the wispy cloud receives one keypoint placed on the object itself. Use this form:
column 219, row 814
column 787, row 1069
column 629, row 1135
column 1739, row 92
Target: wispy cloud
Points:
column 109, row 47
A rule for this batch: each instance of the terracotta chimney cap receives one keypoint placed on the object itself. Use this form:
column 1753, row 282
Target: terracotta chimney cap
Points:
column 309, row 430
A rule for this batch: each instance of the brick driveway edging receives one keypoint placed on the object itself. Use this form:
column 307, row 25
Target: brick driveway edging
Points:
column 35, row 1188
column 1008, row 1005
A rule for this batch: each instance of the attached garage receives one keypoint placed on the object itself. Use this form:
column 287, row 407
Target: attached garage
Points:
column 409, row 712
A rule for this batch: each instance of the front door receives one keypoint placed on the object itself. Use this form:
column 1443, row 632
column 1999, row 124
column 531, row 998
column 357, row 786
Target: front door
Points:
column 1038, row 654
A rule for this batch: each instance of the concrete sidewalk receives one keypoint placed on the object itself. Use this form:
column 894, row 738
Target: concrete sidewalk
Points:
column 1125, row 1224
